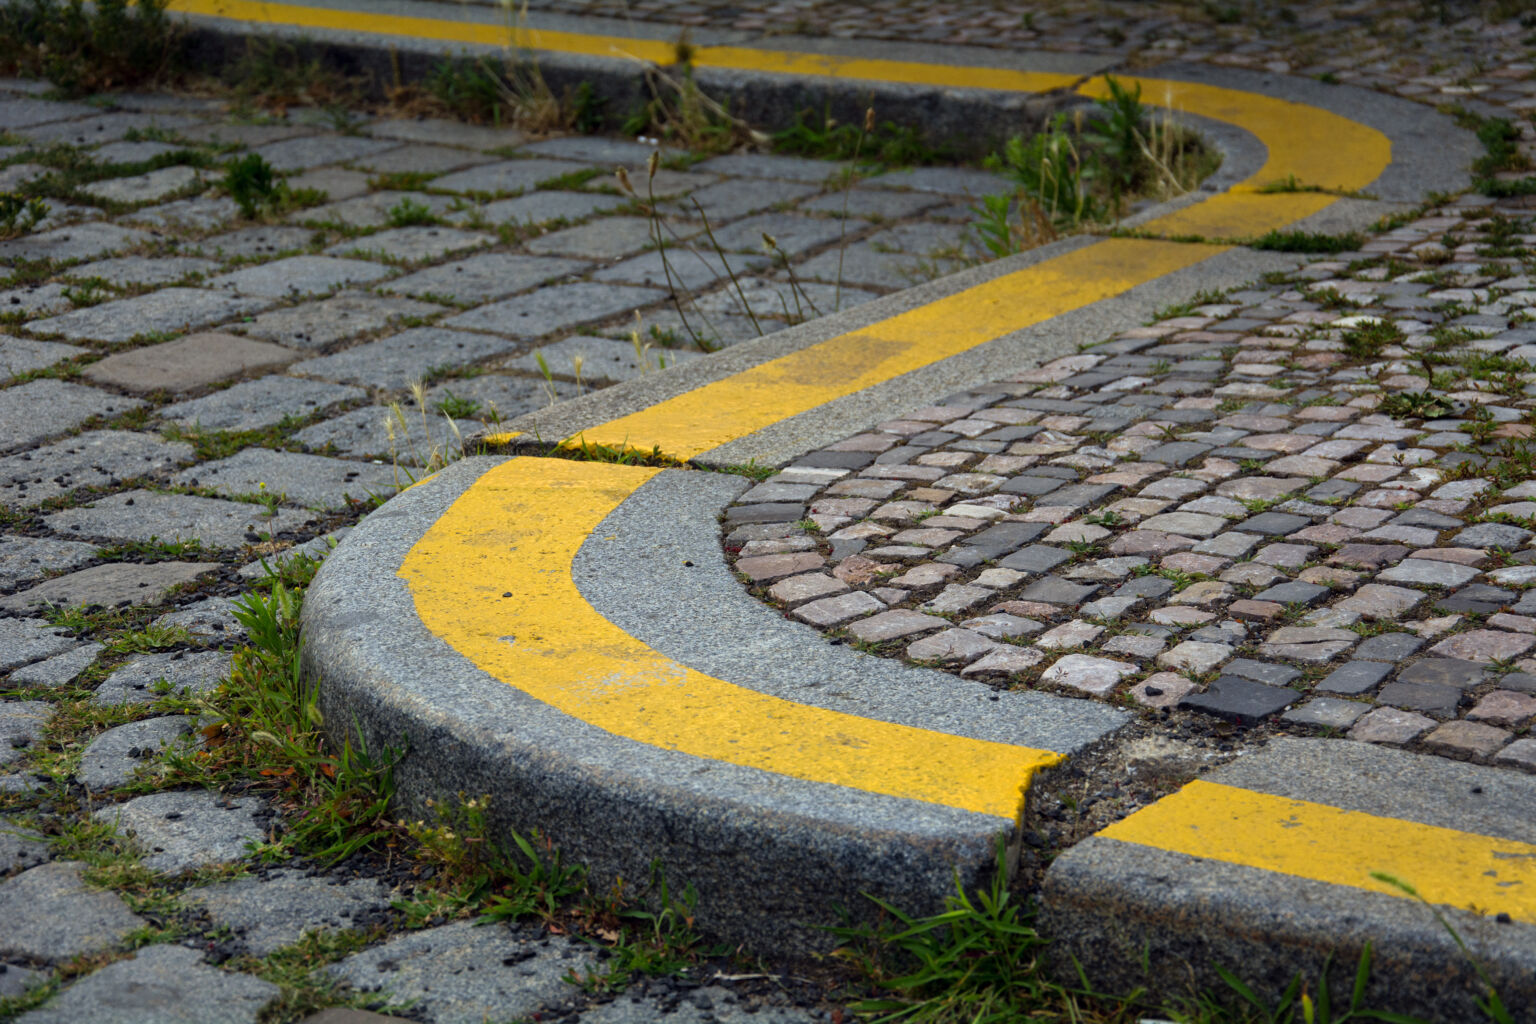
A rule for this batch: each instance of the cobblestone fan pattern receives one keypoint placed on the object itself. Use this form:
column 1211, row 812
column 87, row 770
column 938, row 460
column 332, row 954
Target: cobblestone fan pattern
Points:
column 1260, row 508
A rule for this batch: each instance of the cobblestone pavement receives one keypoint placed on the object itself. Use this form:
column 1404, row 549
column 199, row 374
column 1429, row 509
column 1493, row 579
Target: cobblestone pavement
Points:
column 1246, row 518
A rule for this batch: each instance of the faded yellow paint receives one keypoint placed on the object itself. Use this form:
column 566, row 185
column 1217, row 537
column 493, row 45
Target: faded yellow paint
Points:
column 948, row 76
column 735, row 406
column 502, row 437
column 1475, row 872
column 515, row 532
column 1238, row 215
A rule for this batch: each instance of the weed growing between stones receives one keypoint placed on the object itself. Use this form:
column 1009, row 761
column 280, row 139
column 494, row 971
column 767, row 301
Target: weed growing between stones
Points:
column 83, row 49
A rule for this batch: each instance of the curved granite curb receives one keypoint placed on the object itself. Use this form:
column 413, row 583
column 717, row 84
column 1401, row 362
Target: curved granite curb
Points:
column 773, row 858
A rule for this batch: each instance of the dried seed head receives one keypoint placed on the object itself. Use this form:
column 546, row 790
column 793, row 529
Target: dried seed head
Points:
column 624, row 184
column 869, row 119
column 653, row 163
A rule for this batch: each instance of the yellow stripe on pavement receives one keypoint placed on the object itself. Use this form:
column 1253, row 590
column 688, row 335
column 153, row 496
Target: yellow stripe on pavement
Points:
column 709, row 416
column 492, row 577
column 1483, row 874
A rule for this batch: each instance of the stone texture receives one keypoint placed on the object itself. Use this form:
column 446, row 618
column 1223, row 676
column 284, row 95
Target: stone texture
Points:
column 114, row 585
column 397, row 361
column 554, row 308
column 185, row 829
column 1354, row 677
column 484, row 277
column 276, row 910
column 69, row 405
column 160, row 312
column 162, row 984
column 893, row 624
column 1241, row 700
column 191, row 362
column 1084, row 672
column 149, row 515
column 51, row 915
column 23, row 559
column 112, row 758
column 1484, row 645
column 147, row 677
column 1377, row 601
column 952, row 645
column 59, row 669
column 313, row 481
column 464, row 974
column 1467, row 739
column 93, row 459
column 832, row 611
column 21, row 725
column 314, row 326
column 298, row 275
column 1327, row 713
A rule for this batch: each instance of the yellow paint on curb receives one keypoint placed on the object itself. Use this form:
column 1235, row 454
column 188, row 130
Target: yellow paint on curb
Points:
column 492, row 577
column 1483, row 874
column 713, row 414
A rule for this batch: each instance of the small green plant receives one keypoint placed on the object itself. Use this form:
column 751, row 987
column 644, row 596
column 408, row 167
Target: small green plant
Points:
column 456, row 407
column 410, row 213
column 20, row 214
column 82, row 49
column 653, row 942
column 251, row 182
column 1368, row 339
column 1307, row 241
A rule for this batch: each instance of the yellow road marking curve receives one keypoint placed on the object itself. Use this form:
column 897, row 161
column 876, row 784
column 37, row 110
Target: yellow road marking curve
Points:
column 517, row 529
column 1328, row 844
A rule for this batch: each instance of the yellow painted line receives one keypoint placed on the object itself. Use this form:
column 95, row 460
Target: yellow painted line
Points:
column 951, row 76
column 515, row 532
column 735, row 406
column 1483, row 874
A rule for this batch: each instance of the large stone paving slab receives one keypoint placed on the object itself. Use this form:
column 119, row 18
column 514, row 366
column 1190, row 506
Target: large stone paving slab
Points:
column 75, row 242
column 313, row 326
column 277, row 910
column 376, row 430
column 186, row 829
column 373, row 209
column 147, row 515
column 266, row 240
column 441, row 132
column 67, row 406
column 693, row 268
column 186, row 363
column 145, row 188
column 397, row 361
column 114, row 585
column 313, row 481
column 120, row 271
column 113, row 758
column 603, row 360
column 299, row 275
column 92, row 459
column 412, row 244
column 160, row 985
column 555, row 308
column 308, row 151
column 21, row 726
column 25, row 111
column 484, row 277
column 508, row 176
column 146, row 678
column 51, row 915
column 253, row 404
column 163, row 312
column 464, row 974
column 59, row 669
column 23, row 559
column 540, row 207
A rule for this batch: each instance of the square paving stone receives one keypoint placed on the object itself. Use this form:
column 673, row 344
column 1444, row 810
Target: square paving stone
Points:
column 313, row 326
column 603, row 360
column 52, row 915
column 483, row 277
column 1001, row 538
column 162, row 312
column 1435, row 699
column 32, row 411
column 871, row 204
column 1327, row 713
column 76, row 242
column 129, row 270
column 1427, row 571
column 313, row 481
column 371, row 209
column 308, row 151
column 693, row 269
column 1444, row 671
column 893, row 624
column 955, row 181
column 363, row 432
column 1055, row 590
column 21, row 355
column 498, row 396
column 1273, row 524
column 555, row 308
column 267, row 240
column 199, row 213
column 593, row 149
column 1261, row 671
column 59, row 669
column 1293, row 592
column 148, row 677
column 399, row 360
column 610, row 238
column 833, row 611
column 268, row 913
column 163, row 984
column 22, row 724
column 299, row 275
column 421, row 158
column 1354, row 677
column 91, row 459
column 508, row 176
column 253, row 404
column 794, row 234
column 443, row 132
column 25, row 111
column 336, row 183
column 35, row 300
column 1392, row 647
column 542, row 207
column 187, row 829
column 1479, row 598
column 186, row 363
column 1492, row 535
column 728, row 200
column 1241, row 700
column 149, row 515
column 23, row 559
column 115, row 585
column 412, row 244
column 145, row 188
column 114, row 757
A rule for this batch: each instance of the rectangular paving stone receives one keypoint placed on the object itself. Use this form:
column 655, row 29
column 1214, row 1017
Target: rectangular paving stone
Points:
column 508, row 176
column 1427, row 571
column 91, row 459
column 22, row 355
column 114, row 585
column 794, row 234
column 542, row 207
column 1389, row 647
column 145, row 188
column 299, row 275
column 302, row 153
column 1327, row 713
column 160, row 312
column 372, row 209
column 148, row 515
column 130, row 270
column 610, row 238
column 24, row 559
column 833, row 611
column 555, row 308
column 363, row 432
column 191, row 362
column 25, row 111
column 728, row 200
column 32, row 411
column 23, row 641
column 75, row 242
column 1354, row 677
column 695, row 269
column 312, row 481
column 603, row 360
column 417, row 244
column 444, row 132
column 263, row 402
column 421, row 158
column 1036, row 558
column 1433, row 699
column 1241, row 700
column 313, row 326
column 266, row 240
column 893, row 624
column 483, row 277
column 400, row 359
